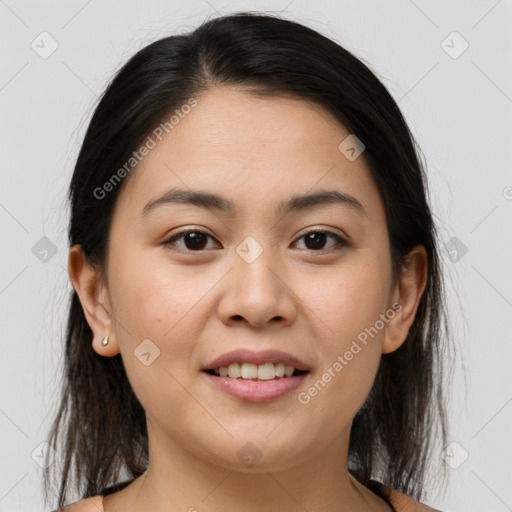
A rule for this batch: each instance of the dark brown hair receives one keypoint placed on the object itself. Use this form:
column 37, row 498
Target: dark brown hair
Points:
column 100, row 427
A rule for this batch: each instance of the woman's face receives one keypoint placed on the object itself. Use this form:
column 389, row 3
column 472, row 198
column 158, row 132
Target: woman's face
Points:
column 253, row 279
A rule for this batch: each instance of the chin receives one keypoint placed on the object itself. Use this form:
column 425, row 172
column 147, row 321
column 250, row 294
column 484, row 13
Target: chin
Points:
column 257, row 452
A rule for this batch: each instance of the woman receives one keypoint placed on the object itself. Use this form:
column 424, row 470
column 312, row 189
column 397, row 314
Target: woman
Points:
column 256, row 321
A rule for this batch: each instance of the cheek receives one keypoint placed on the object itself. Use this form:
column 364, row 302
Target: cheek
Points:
column 158, row 320
column 151, row 295
column 346, row 310
column 158, row 303
column 347, row 300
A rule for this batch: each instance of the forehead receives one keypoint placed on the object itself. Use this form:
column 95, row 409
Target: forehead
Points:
column 258, row 150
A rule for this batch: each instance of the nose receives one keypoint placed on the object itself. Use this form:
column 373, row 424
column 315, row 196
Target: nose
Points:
column 258, row 292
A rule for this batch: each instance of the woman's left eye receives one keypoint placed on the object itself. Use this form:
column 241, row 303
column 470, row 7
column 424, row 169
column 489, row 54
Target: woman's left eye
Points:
column 195, row 240
column 318, row 237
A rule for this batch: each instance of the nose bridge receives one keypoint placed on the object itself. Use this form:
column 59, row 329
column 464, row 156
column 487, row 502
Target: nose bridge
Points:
column 258, row 265
column 257, row 290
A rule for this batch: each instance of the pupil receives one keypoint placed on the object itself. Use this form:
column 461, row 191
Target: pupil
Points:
column 318, row 240
column 195, row 240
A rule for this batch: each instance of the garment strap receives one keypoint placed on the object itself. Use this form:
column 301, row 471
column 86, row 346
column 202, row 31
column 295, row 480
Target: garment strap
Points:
column 379, row 489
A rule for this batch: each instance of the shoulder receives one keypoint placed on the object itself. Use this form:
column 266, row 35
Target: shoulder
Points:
column 93, row 504
column 400, row 501
column 404, row 503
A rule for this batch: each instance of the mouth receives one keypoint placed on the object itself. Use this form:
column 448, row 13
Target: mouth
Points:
column 252, row 372
column 255, row 390
column 255, row 383
column 256, row 376
column 262, row 365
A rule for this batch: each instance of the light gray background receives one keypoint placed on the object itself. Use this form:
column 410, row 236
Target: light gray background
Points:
column 458, row 108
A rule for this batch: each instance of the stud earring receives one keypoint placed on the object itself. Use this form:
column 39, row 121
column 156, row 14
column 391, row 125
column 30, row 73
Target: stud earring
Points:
column 104, row 341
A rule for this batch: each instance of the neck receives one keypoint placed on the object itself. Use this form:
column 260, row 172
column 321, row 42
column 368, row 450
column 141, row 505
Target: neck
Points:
column 177, row 479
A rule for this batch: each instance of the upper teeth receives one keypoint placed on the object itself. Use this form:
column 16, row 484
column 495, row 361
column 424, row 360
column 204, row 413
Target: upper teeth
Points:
column 265, row 371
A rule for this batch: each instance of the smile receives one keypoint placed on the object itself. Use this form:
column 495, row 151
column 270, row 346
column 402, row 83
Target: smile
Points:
column 255, row 389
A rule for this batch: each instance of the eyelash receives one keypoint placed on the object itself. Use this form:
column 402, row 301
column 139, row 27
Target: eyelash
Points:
column 341, row 241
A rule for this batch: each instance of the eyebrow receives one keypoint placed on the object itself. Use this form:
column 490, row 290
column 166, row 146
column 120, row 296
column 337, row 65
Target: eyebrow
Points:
column 210, row 201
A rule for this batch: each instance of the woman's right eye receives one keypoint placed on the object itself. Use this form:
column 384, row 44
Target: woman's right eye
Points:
column 194, row 240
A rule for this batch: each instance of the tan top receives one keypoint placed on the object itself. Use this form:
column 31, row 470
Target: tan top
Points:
column 400, row 501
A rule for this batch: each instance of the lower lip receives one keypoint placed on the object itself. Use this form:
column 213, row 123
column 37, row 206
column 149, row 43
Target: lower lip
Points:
column 256, row 390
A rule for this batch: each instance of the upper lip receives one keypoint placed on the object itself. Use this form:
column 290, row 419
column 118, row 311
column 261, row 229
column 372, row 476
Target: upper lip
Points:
column 250, row 356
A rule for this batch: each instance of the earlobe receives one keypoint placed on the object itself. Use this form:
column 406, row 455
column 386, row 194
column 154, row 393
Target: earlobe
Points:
column 406, row 297
column 106, row 346
column 92, row 292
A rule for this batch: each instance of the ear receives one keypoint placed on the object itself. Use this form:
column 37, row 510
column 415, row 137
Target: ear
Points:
column 406, row 297
column 92, row 292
